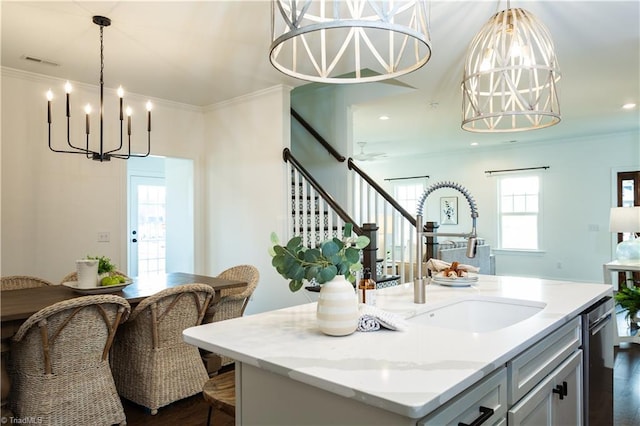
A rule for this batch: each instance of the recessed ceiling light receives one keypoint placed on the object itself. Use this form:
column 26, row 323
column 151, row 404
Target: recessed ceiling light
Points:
column 474, row 143
column 383, row 117
column 629, row 106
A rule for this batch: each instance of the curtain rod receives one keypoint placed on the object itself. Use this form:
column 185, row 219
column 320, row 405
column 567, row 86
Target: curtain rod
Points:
column 408, row 177
column 516, row 170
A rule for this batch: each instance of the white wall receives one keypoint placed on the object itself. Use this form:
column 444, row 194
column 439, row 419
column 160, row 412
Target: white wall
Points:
column 247, row 189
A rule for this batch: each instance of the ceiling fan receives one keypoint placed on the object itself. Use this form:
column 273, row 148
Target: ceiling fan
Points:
column 367, row 156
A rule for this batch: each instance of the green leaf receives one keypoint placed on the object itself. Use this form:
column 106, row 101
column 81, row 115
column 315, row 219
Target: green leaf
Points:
column 311, row 255
column 294, row 243
column 312, row 272
column 348, row 229
column 352, row 255
column 296, row 272
column 327, row 274
column 362, row 241
column 295, row 285
column 274, row 239
column 330, row 248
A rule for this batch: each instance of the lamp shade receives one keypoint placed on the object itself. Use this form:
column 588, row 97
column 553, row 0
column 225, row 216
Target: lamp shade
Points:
column 510, row 76
column 624, row 219
column 349, row 41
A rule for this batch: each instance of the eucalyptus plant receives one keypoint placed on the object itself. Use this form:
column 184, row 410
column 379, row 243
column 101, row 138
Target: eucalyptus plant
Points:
column 332, row 257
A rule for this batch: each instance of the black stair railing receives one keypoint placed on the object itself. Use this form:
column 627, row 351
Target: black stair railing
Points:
column 322, row 141
column 316, row 215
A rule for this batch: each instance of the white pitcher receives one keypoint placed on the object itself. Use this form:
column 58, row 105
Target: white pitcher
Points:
column 87, row 270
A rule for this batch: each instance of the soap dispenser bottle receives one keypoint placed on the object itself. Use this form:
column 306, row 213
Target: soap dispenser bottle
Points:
column 367, row 289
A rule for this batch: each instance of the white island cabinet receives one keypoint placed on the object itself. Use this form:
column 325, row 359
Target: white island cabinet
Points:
column 289, row 373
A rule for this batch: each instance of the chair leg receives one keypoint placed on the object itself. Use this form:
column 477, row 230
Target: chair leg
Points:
column 209, row 417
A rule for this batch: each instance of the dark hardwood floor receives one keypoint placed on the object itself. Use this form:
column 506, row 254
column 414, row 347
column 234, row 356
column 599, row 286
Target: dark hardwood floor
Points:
column 193, row 411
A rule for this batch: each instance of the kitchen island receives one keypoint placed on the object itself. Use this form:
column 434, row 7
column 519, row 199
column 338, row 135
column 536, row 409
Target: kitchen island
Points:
column 288, row 372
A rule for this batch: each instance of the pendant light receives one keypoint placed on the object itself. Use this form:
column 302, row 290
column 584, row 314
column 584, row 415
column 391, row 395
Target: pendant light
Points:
column 102, row 154
column 348, row 41
column 510, row 76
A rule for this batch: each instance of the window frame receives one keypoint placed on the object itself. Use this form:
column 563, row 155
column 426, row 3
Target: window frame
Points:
column 538, row 214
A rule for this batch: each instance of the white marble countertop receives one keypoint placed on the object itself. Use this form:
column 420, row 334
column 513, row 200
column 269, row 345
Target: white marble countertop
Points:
column 410, row 372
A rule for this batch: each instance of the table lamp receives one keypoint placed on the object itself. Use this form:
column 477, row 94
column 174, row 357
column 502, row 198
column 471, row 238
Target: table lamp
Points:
column 626, row 219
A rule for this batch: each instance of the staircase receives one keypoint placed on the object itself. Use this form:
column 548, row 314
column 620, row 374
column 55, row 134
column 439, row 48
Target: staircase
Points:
column 316, row 217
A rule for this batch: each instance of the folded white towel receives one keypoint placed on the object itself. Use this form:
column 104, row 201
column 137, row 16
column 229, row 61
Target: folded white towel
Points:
column 368, row 323
column 372, row 319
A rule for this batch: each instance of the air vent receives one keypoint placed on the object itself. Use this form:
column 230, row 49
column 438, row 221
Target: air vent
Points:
column 40, row 61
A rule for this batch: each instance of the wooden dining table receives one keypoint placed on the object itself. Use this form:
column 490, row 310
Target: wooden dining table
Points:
column 18, row 305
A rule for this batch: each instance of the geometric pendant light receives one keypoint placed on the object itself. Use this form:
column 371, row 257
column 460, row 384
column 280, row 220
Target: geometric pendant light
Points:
column 348, row 41
column 510, row 76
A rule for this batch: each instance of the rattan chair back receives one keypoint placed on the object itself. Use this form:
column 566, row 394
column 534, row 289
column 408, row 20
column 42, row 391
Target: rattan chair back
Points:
column 59, row 362
column 152, row 365
column 16, row 282
column 234, row 301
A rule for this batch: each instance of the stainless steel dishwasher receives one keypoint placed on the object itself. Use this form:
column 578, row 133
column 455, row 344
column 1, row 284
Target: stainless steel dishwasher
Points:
column 597, row 344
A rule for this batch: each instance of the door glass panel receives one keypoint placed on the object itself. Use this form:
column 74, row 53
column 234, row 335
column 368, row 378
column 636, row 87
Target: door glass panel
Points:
column 151, row 229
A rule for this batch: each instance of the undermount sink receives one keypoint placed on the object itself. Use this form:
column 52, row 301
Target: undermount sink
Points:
column 479, row 314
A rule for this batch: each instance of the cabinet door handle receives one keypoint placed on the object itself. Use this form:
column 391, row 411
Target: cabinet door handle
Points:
column 485, row 414
column 561, row 390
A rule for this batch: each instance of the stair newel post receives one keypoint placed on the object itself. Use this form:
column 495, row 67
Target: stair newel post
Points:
column 369, row 257
column 431, row 249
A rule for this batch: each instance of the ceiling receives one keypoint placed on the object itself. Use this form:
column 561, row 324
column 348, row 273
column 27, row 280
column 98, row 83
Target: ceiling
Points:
column 204, row 52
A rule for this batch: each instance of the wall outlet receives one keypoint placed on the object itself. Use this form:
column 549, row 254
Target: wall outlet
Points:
column 103, row 237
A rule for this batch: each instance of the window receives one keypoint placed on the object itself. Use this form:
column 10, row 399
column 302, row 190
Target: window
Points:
column 519, row 207
column 407, row 195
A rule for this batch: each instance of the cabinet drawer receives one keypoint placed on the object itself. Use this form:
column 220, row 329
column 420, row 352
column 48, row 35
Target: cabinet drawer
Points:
column 527, row 369
column 491, row 393
column 543, row 406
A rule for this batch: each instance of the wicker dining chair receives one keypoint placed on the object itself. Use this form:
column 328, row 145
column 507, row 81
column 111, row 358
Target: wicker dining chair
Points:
column 59, row 363
column 152, row 365
column 16, row 282
column 233, row 303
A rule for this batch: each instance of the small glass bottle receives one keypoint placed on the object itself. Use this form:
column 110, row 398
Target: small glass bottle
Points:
column 367, row 289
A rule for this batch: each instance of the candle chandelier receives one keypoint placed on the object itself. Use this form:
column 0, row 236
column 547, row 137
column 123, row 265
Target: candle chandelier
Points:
column 348, row 41
column 102, row 154
column 510, row 76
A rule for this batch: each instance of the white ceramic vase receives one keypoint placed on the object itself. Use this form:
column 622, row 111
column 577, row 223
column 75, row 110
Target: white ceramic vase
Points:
column 337, row 310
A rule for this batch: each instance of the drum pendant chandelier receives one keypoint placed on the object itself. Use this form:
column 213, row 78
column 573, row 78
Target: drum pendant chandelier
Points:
column 348, row 41
column 510, row 76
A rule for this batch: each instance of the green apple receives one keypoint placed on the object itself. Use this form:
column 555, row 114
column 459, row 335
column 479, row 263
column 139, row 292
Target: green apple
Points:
column 106, row 281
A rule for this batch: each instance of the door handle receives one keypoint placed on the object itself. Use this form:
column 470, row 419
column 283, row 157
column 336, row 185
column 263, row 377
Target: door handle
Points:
column 485, row 413
column 561, row 390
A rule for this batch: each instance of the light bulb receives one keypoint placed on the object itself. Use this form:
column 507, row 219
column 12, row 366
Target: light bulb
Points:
column 120, row 92
column 49, row 95
column 87, row 109
column 67, row 87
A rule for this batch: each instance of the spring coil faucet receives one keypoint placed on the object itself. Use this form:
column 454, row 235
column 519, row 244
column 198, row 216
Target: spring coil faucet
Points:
column 419, row 283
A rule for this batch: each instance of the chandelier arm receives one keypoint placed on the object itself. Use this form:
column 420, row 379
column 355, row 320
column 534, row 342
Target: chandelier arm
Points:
column 79, row 150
